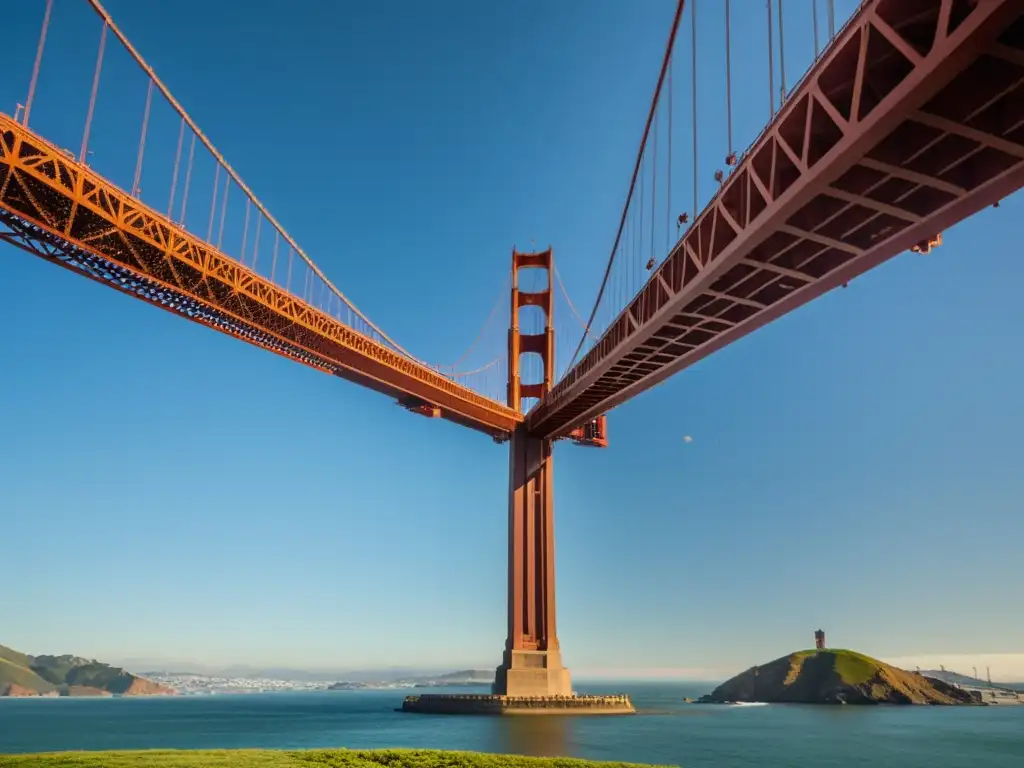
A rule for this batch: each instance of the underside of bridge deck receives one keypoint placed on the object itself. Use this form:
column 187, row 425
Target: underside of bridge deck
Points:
column 910, row 122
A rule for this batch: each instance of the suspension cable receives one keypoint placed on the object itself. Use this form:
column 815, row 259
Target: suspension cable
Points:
column 636, row 171
column 771, row 62
column 39, row 60
column 176, row 106
column 256, row 252
column 223, row 210
column 177, row 168
column 693, row 45
column 188, row 178
column 92, row 96
column 831, row 19
column 668, row 181
column 728, row 77
column 491, row 364
column 565, row 293
column 814, row 25
column 213, row 203
column 654, row 182
column 245, row 230
column 142, row 140
column 782, row 60
column 502, row 295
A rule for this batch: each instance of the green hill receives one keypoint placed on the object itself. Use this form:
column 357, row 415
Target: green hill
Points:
column 13, row 656
column 834, row 677
column 24, row 675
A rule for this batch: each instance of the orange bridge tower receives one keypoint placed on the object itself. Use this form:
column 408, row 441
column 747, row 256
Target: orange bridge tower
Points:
column 532, row 661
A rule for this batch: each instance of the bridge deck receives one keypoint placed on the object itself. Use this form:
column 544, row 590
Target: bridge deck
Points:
column 61, row 211
column 911, row 121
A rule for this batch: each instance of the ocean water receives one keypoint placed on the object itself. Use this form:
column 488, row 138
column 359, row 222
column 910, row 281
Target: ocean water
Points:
column 666, row 731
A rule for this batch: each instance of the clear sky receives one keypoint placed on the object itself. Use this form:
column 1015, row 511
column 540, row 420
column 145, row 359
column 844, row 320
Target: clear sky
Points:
column 168, row 492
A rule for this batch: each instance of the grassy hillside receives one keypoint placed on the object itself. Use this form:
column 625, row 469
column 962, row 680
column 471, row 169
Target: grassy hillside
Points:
column 70, row 675
column 16, row 674
column 265, row 758
column 13, row 656
column 833, row 677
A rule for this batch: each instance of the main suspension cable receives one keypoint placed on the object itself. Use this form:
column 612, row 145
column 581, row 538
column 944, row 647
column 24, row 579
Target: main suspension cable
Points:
column 636, row 170
column 502, row 296
column 565, row 293
column 176, row 106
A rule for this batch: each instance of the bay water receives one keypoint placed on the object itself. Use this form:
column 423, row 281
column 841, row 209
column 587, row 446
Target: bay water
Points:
column 666, row 730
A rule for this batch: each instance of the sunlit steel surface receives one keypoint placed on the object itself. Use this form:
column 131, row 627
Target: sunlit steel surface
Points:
column 57, row 208
column 912, row 121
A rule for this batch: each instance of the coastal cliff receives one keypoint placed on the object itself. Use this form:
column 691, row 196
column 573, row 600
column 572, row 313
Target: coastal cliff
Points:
column 24, row 675
column 834, row 677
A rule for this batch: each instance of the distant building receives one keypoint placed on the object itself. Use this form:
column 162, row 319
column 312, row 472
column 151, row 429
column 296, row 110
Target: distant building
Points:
column 819, row 639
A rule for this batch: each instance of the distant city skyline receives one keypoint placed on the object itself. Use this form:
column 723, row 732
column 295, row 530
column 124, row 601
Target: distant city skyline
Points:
column 1004, row 667
column 169, row 492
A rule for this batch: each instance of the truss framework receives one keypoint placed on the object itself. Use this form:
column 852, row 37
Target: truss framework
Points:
column 912, row 121
column 60, row 210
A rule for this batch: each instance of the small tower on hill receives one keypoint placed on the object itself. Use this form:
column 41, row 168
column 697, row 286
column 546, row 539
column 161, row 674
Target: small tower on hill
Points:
column 819, row 640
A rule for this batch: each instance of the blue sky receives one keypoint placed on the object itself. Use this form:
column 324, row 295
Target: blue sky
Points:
column 167, row 492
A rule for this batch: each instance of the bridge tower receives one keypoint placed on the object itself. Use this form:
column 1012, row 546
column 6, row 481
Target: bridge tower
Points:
column 532, row 661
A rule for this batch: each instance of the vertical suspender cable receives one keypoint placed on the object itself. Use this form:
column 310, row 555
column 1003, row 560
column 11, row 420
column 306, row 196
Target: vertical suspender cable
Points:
column 831, row 19
column 188, row 179
column 636, row 169
column 109, row 22
column 693, row 45
column 771, row 61
column 728, row 78
column 668, row 180
column 782, row 60
column 142, row 140
column 39, row 60
column 256, row 246
column 213, row 204
column 273, row 260
column 640, row 234
column 92, row 96
column 177, row 168
column 223, row 210
column 245, row 229
column 814, row 25
column 654, row 184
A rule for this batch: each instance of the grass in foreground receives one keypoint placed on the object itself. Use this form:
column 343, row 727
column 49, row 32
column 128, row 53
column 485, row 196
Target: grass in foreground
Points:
column 269, row 758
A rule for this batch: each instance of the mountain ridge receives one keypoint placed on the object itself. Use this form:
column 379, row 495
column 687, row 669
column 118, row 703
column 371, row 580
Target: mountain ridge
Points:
column 24, row 675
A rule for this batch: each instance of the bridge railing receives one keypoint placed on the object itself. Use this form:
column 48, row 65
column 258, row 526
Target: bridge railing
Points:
column 160, row 156
column 652, row 225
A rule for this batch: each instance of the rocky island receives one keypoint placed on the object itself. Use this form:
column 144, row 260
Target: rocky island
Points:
column 834, row 677
column 24, row 675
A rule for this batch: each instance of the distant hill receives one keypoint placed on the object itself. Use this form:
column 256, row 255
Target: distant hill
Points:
column 834, row 677
column 465, row 675
column 24, row 675
column 955, row 678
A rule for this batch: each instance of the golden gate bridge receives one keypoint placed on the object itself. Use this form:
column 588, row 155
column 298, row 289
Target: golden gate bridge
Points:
column 909, row 120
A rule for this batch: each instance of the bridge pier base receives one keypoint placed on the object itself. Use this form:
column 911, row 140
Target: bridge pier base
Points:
column 532, row 661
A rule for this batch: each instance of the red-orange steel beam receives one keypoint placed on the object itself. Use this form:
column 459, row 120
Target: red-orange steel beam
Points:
column 59, row 209
column 912, row 121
